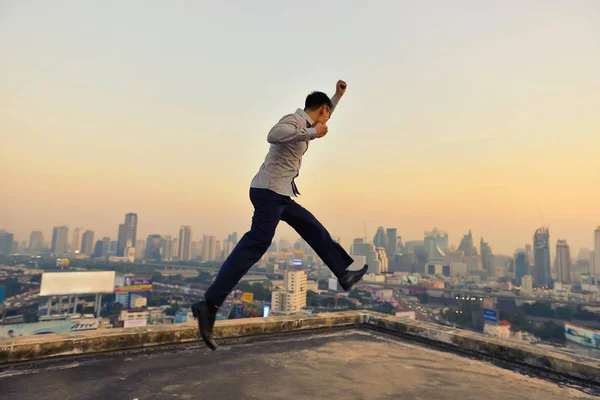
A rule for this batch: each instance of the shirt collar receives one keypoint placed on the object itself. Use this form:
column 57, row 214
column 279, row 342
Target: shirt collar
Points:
column 305, row 116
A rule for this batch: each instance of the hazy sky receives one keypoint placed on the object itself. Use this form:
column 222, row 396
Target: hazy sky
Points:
column 479, row 115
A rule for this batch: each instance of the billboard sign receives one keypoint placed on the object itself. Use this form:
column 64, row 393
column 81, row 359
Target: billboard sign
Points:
column 490, row 315
column 266, row 311
column 135, row 284
column 48, row 327
column 416, row 290
column 135, row 323
column 247, row 297
column 584, row 336
column 65, row 283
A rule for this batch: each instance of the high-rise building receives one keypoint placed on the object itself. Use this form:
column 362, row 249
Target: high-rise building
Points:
column 185, row 242
column 127, row 234
column 87, row 243
column 218, row 250
column 292, row 298
column 435, row 255
column 60, row 241
column 376, row 256
column 105, row 246
column 392, row 242
column 209, row 244
column 36, row 241
column 196, row 250
column 6, row 242
column 541, row 244
column 466, row 245
column 596, row 268
column 153, row 247
column 527, row 284
column 167, row 246
column 487, row 258
column 76, row 243
column 521, row 266
column 140, row 249
column 563, row 262
column 530, row 254
column 380, row 239
column 440, row 237
column 98, row 249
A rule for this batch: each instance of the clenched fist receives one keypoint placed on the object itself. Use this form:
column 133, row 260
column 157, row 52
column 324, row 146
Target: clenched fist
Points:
column 321, row 130
column 340, row 88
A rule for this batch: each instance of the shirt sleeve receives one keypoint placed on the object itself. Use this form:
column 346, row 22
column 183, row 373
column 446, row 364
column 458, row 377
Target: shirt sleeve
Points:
column 288, row 130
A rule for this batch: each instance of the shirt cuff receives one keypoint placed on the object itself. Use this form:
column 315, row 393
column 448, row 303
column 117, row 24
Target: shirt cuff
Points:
column 312, row 133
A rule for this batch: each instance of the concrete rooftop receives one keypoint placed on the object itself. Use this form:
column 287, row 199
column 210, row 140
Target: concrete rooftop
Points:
column 349, row 364
column 351, row 355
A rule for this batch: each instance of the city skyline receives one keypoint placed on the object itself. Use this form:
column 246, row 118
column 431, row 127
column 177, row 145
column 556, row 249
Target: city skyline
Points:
column 476, row 116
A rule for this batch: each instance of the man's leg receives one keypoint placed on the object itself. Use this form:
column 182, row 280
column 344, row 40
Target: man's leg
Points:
column 315, row 234
column 252, row 246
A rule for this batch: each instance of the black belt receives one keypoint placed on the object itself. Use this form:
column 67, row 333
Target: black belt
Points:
column 295, row 188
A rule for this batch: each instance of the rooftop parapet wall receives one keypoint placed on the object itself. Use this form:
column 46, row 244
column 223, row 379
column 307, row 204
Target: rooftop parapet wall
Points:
column 23, row 349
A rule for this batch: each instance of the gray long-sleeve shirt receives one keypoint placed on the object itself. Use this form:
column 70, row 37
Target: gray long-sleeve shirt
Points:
column 289, row 140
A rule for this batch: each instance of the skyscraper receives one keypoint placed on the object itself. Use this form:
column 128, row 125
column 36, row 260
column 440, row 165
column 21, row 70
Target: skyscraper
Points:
column 167, row 246
column 185, row 241
column 105, row 246
column 596, row 268
column 466, row 244
column 36, row 241
column 60, row 241
column 98, row 249
column 209, row 244
column 541, row 245
column 392, row 241
column 6, row 242
column 76, row 243
column 153, row 247
column 521, row 266
column 487, row 258
column 127, row 234
column 380, row 239
column 563, row 262
column 440, row 237
column 218, row 250
column 87, row 243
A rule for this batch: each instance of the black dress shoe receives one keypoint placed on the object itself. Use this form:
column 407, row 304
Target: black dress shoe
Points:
column 206, row 316
column 352, row 277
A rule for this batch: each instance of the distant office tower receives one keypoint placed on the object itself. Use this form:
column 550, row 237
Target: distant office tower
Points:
column 185, row 242
column 272, row 248
column 127, row 234
column 440, row 237
column 376, row 256
column 527, row 285
column 140, row 249
column 596, row 268
column 380, row 239
column 105, row 246
column 167, row 248
column 218, row 250
column 521, row 266
column 209, row 244
column 284, row 245
column 466, row 245
column 487, row 259
column 292, row 298
column 530, row 255
column 392, row 241
column 76, row 243
column 36, row 241
column 196, row 250
column 98, row 249
column 175, row 248
column 6, row 242
column 60, row 241
column 541, row 244
column 435, row 255
column 563, row 262
column 87, row 243
column 153, row 248
column 231, row 241
column 112, row 249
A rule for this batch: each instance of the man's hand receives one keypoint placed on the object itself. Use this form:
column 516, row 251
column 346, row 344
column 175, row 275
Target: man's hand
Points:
column 340, row 88
column 321, row 130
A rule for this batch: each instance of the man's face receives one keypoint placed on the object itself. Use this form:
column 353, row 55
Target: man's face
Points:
column 323, row 115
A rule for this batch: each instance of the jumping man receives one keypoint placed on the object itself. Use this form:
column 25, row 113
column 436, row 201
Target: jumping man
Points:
column 271, row 193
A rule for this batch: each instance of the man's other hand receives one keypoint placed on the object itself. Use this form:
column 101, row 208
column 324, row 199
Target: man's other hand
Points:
column 321, row 130
column 340, row 88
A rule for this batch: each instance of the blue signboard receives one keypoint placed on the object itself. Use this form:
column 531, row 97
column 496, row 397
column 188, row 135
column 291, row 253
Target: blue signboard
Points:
column 1, row 294
column 490, row 315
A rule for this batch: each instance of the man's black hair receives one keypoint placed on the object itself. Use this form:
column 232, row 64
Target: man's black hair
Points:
column 316, row 100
